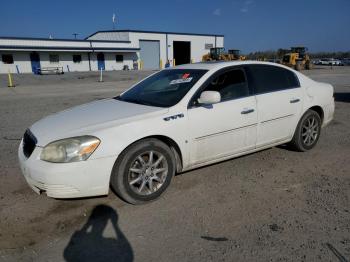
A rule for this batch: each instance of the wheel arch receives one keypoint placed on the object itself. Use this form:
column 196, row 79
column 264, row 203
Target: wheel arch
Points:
column 175, row 148
column 319, row 110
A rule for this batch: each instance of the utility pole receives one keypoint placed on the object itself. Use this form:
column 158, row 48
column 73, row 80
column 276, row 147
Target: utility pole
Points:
column 75, row 35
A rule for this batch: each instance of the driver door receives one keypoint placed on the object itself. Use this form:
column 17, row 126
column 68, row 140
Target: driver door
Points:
column 225, row 128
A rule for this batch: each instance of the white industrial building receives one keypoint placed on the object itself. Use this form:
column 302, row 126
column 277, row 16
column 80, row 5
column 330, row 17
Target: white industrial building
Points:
column 106, row 50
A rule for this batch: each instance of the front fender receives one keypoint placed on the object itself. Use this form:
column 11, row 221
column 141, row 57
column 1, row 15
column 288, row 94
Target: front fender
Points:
column 115, row 140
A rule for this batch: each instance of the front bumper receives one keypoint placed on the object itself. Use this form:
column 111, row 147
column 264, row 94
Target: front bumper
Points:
column 66, row 180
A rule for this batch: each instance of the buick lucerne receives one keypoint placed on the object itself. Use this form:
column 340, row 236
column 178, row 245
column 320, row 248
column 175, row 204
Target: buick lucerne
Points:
column 175, row 120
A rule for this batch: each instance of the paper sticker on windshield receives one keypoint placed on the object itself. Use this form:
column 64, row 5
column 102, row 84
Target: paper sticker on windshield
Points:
column 181, row 81
column 186, row 75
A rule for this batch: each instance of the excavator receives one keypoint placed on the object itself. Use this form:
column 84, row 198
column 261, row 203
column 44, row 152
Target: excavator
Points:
column 219, row 54
column 297, row 58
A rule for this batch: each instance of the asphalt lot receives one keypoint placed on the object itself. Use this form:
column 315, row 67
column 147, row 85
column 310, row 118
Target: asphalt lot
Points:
column 274, row 205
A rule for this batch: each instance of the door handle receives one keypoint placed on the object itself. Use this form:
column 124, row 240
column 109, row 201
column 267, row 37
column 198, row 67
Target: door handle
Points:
column 294, row 100
column 247, row 111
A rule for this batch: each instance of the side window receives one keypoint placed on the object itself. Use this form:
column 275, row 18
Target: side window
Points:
column 231, row 85
column 76, row 58
column 268, row 78
column 119, row 58
column 7, row 59
column 54, row 59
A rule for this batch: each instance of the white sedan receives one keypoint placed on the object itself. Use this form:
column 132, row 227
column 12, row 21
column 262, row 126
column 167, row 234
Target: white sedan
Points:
column 329, row 61
column 174, row 120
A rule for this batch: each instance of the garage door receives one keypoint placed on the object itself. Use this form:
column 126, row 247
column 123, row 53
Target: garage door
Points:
column 149, row 54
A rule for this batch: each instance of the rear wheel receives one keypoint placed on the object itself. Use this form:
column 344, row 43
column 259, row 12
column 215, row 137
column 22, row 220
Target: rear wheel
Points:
column 143, row 171
column 307, row 132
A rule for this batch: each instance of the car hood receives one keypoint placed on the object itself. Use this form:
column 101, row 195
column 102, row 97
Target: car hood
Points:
column 84, row 119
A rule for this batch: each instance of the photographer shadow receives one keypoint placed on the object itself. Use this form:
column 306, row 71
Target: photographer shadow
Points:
column 89, row 244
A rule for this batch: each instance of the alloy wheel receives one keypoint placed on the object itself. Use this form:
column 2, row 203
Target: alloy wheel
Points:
column 148, row 172
column 309, row 131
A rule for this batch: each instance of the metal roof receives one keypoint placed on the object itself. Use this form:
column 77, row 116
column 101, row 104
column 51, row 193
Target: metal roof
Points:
column 67, row 48
column 44, row 44
column 61, row 39
column 151, row 32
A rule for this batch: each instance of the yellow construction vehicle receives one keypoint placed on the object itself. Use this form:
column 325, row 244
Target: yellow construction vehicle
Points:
column 297, row 58
column 219, row 54
column 216, row 53
column 235, row 54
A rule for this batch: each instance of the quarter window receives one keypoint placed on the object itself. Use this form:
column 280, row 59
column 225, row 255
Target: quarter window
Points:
column 267, row 78
column 54, row 59
column 7, row 59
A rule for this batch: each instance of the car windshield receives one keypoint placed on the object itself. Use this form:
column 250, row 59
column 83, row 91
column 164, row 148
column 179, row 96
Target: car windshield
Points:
column 163, row 89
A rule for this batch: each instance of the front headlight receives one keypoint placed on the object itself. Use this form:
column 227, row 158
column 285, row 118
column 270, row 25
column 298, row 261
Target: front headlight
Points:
column 70, row 149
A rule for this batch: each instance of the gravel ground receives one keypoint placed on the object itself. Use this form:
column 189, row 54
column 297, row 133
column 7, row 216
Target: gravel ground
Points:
column 274, row 205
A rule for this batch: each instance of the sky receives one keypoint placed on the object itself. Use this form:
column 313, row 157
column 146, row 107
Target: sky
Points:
column 249, row 25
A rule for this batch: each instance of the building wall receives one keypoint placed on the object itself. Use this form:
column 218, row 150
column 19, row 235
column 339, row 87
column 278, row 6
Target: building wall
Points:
column 111, row 63
column 21, row 59
column 197, row 45
column 66, row 48
column 65, row 61
column 136, row 37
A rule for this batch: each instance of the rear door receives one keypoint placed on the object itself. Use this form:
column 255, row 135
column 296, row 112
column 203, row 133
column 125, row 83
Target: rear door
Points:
column 279, row 102
column 228, row 127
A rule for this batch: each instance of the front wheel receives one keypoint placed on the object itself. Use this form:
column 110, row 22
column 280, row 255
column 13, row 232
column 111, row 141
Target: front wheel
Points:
column 297, row 66
column 307, row 132
column 143, row 171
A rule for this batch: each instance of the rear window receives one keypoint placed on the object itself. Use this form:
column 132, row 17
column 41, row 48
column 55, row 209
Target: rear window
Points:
column 266, row 78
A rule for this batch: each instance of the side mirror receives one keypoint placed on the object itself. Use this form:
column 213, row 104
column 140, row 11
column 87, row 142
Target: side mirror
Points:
column 209, row 97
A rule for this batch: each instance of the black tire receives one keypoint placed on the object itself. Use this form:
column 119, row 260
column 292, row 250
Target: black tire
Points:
column 298, row 142
column 121, row 174
column 297, row 66
column 308, row 65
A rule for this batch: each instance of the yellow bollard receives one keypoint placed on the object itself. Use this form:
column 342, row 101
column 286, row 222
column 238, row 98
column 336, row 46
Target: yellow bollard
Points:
column 174, row 64
column 141, row 64
column 160, row 64
column 10, row 84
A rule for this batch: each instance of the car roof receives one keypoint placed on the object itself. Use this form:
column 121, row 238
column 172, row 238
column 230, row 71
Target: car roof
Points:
column 212, row 65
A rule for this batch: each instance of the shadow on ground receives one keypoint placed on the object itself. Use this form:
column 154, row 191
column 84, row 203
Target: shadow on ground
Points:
column 89, row 244
column 342, row 97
